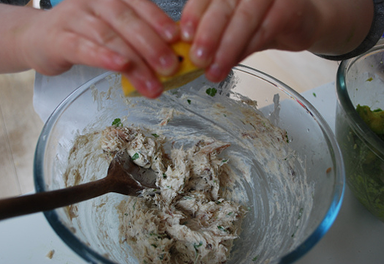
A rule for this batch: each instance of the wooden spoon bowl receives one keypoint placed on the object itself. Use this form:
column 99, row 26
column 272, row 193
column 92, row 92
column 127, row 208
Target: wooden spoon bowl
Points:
column 124, row 177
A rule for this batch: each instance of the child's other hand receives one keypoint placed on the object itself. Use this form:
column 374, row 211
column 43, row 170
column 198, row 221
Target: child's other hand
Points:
column 128, row 36
column 224, row 32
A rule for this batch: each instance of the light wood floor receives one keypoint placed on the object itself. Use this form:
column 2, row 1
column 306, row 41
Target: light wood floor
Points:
column 20, row 126
column 19, row 130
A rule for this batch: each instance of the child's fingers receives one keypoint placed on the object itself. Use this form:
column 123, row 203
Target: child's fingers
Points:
column 67, row 49
column 96, row 30
column 156, row 18
column 84, row 51
column 139, row 35
column 193, row 12
column 145, row 82
column 226, row 31
column 210, row 30
column 105, row 34
column 284, row 28
column 246, row 19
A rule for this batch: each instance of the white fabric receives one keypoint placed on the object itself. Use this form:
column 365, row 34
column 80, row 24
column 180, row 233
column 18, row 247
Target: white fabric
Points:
column 49, row 92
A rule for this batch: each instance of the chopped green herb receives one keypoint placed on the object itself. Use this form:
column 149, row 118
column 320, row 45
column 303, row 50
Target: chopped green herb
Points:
column 135, row 156
column 293, row 235
column 230, row 213
column 300, row 213
column 196, row 258
column 255, row 258
column 372, row 118
column 211, row 91
column 117, row 122
column 221, row 228
column 196, row 246
column 314, row 94
column 189, row 101
column 161, row 257
column 126, row 214
column 157, row 235
column 164, row 176
column 369, row 79
column 155, row 135
column 154, row 245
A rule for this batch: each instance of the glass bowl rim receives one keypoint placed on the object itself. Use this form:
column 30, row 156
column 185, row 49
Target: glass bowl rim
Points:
column 92, row 256
column 354, row 120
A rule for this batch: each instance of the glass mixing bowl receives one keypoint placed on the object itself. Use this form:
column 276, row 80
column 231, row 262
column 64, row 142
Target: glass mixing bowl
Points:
column 292, row 199
column 361, row 81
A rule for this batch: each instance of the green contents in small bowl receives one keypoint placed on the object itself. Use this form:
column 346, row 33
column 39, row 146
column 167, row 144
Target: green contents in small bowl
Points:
column 373, row 184
column 373, row 118
column 360, row 126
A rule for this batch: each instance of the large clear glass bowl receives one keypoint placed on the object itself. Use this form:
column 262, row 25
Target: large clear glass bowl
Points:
column 288, row 212
column 361, row 81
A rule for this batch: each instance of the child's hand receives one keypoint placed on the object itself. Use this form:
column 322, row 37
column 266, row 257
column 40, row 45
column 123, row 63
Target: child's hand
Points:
column 224, row 32
column 129, row 36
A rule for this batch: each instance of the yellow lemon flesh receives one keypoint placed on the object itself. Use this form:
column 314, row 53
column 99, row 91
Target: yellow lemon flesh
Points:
column 186, row 73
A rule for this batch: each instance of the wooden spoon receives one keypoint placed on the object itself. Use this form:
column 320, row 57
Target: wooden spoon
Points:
column 124, row 177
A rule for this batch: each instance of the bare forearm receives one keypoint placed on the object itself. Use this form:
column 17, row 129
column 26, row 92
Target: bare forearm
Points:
column 343, row 25
column 15, row 23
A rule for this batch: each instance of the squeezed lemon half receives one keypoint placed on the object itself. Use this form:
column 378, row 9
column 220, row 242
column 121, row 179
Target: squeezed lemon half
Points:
column 186, row 73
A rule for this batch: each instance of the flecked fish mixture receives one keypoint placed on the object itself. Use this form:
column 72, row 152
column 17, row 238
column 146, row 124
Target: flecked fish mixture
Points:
column 192, row 218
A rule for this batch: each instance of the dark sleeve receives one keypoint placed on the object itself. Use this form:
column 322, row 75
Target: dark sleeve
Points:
column 15, row 2
column 172, row 7
column 374, row 35
column 45, row 4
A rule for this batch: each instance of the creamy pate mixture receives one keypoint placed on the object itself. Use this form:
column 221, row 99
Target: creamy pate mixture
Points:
column 192, row 219
column 240, row 202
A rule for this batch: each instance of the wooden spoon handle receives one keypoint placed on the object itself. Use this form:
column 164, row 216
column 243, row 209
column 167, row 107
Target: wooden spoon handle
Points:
column 45, row 201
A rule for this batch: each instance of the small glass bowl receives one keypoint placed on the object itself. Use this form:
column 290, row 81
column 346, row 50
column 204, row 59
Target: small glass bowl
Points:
column 360, row 81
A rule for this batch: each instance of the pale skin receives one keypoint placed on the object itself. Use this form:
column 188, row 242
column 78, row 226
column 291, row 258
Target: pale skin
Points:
column 133, row 36
column 224, row 32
